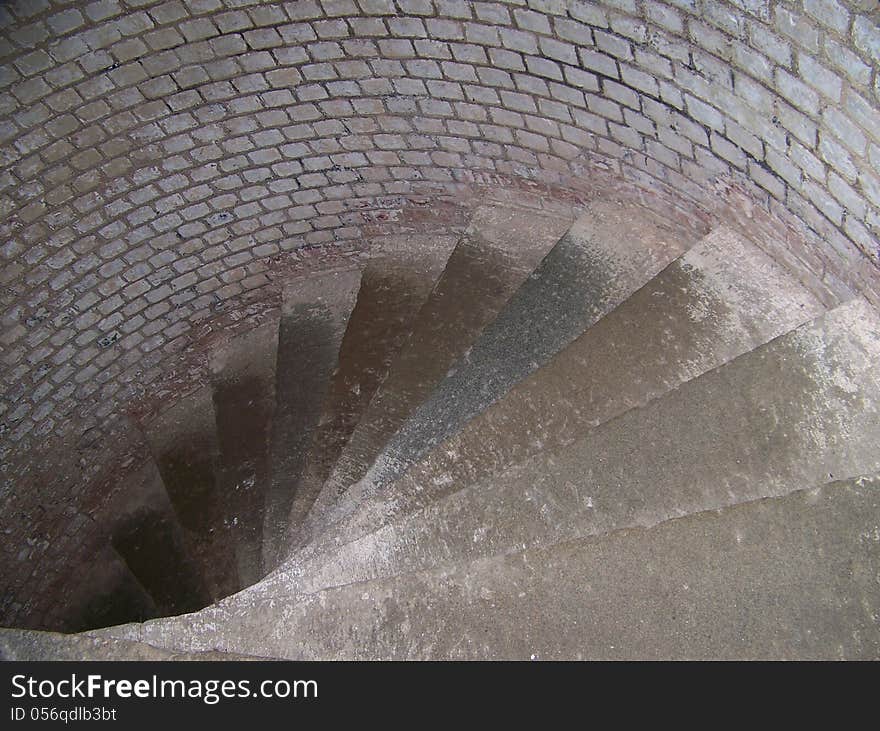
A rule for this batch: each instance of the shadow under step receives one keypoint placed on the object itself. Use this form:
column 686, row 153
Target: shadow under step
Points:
column 183, row 441
column 243, row 380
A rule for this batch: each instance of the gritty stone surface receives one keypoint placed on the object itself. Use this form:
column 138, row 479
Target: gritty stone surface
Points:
column 31, row 646
column 784, row 578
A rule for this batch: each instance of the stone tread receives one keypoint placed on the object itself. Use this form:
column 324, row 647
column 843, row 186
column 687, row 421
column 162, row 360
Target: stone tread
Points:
column 395, row 282
column 721, row 299
column 802, row 409
column 500, row 249
column 35, row 646
column 607, row 254
column 793, row 577
column 315, row 314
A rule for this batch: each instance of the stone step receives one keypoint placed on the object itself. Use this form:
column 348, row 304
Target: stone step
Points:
column 35, row 646
column 500, row 249
column 792, row 577
column 721, row 299
column 243, row 380
column 107, row 593
column 395, row 283
column 146, row 533
column 609, row 252
column 183, row 443
column 315, row 313
column 800, row 410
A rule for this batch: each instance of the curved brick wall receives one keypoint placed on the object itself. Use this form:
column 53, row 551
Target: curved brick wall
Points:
column 165, row 163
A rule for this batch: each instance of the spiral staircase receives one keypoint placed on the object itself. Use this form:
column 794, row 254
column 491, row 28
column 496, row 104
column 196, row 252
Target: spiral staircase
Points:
column 589, row 439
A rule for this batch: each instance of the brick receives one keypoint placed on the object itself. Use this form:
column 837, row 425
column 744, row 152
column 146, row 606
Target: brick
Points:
column 581, row 79
column 841, row 58
column 819, row 77
column 867, row 37
column 798, row 93
column 604, row 107
column 704, row 113
column 847, row 132
column 65, row 21
column 614, row 46
column 639, row 80
column 517, row 40
column 543, row 67
column 599, row 63
column 862, row 113
column 588, row 12
column 629, row 28
column 797, row 27
column 770, row 44
column 563, row 52
column 664, row 16
column 829, row 13
column 798, row 124
column 407, row 27
column 837, row 157
column 727, row 150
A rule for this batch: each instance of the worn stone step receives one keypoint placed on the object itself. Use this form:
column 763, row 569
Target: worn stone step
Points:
column 315, row 313
column 802, row 409
column 183, row 442
column 395, row 283
column 607, row 254
column 243, row 381
column 721, row 299
column 500, row 249
column 792, row 577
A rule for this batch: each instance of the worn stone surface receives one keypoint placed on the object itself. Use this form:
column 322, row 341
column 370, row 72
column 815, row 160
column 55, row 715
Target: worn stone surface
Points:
column 802, row 409
column 500, row 249
column 394, row 284
column 608, row 253
column 314, row 316
column 243, row 374
column 33, row 646
column 721, row 299
column 792, row 577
